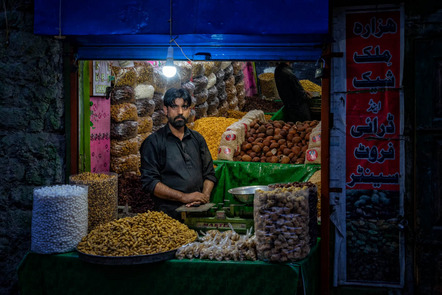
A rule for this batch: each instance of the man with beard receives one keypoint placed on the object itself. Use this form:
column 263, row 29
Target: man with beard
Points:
column 176, row 165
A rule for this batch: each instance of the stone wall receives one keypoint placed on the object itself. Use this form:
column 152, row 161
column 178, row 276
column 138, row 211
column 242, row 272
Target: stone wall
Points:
column 32, row 131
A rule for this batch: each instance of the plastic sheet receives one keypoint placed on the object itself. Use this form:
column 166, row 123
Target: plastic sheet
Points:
column 124, row 130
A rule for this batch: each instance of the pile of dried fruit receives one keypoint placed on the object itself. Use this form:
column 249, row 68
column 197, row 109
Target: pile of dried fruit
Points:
column 276, row 142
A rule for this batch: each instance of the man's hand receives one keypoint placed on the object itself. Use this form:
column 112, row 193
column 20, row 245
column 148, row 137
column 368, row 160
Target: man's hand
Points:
column 195, row 197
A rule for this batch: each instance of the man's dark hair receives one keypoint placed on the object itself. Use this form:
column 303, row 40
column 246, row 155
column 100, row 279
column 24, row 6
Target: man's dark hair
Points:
column 173, row 93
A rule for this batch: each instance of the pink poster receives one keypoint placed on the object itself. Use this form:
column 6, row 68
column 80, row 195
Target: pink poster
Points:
column 100, row 137
column 249, row 79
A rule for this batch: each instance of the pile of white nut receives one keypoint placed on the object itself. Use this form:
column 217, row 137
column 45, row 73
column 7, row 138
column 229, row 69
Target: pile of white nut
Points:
column 59, row 218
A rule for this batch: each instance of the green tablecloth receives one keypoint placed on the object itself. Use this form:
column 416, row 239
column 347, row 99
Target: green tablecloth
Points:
column 67, row 274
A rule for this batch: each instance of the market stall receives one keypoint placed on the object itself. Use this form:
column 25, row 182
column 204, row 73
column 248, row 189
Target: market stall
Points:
column 123, row 86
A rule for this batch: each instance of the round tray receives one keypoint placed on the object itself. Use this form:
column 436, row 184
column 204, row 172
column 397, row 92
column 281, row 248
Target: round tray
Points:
column 127, row 260
column 245, row 194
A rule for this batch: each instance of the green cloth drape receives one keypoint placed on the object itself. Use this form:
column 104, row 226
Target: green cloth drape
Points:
column 67, row 274
column 235, row 174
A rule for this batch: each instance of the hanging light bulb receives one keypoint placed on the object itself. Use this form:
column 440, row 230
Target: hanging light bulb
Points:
column 169, row 70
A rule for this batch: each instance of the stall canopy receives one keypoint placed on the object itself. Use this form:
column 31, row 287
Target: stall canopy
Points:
column 216, row 30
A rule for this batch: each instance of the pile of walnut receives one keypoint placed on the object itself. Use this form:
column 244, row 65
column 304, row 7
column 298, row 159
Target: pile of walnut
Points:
column 146, row 233
column 276, row 142
column 282, row 224
column 216, row 245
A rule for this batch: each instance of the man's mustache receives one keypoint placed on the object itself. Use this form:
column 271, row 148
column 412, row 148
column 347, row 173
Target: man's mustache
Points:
column 179, row 116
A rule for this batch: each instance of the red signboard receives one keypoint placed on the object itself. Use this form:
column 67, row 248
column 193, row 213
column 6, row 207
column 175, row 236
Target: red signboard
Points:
column 373, row 57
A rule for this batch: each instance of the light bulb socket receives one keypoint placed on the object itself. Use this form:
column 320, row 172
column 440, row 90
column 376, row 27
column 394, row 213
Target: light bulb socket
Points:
column 170, row 52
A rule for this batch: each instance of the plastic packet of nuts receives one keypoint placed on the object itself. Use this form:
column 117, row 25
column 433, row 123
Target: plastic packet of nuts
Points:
column 122, row 94
column 198, row 69
column 201, row 97
column 124, row 130
column 233, row 103
column 189, row 86
column 282, row 224
column 184, row 68
column 125, row 163
column 219, row 76
column 145, row 124
column 228, row 72
column 123, row 147
column 211, row 80
column 102, row 196
column 212, row 93
column 200, row 83
column 124, row 112
column 201, row 110
column 159, row 81
column 145, row 107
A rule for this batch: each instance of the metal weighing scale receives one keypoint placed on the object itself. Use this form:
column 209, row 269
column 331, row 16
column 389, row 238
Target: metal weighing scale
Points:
column 218, row 216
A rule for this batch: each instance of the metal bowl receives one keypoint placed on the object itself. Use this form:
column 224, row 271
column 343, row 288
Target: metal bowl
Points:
column 245, row 194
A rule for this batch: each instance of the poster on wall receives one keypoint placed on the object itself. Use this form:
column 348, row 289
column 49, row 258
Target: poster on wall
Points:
column 100, row 137
column 373, row 147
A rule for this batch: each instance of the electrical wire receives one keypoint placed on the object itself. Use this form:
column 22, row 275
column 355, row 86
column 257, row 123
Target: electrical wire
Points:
column 170, row 34
column 182, row 51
